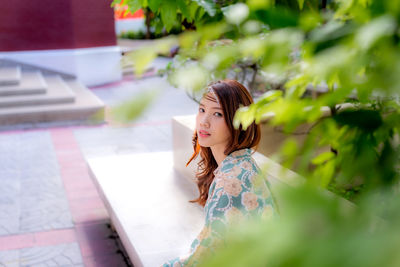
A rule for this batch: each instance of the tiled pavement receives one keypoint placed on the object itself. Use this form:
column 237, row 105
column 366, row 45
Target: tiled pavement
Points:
column 50, row 211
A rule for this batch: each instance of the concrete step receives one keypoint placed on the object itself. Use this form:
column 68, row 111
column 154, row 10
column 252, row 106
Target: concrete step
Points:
column 86, row 108
column 57, row 92
column 29, row 82
column 10, row 75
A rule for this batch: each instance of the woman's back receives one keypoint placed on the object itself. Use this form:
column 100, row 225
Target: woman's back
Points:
column 237, row 193
column 239, row 189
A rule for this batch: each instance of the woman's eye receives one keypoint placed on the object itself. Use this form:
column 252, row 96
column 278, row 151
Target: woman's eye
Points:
column 218, row 114
column 201, row 110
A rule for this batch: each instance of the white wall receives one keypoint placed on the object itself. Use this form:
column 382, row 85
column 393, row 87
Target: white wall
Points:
column 92, row 66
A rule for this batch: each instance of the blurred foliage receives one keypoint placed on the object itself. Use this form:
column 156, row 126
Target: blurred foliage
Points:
column 318, row 230
column 134, row 107
column 132, row 35
column 176, row 14
column 346, row 55
column 350, row 48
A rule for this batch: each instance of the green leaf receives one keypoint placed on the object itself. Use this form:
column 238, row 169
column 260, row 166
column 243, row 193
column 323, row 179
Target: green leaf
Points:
column 184, row 8
column 269, row 96
column 154, row 5
column 290, row 149
column 326, row 172
column 375, row 30
column 301, row 3
column 190, row 77
column 193, row 9
column 134, row 5
column 244, row 116
column 323, row 157
column 310, row 20
column 115, row 2
column 295, row 92
column 168, row 13
column 252, row 47
column 208, row 5
column 260, row 4
column 363, row 119
column 132, row 109
column 330, row 34
column 221, row 57
column 212, row 31
column 141, row 58
column 277, row 17
column 188, row 39
column 200, row 12
column 237, row 13
column 164, row 45
column 353, row 9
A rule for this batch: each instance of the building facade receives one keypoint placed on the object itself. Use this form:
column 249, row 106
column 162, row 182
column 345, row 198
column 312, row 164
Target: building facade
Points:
column 72, row 36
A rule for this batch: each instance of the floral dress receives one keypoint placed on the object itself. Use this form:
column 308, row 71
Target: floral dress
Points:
column 236, row 193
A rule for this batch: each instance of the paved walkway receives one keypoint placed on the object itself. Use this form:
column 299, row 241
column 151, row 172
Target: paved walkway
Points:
column 50, row 211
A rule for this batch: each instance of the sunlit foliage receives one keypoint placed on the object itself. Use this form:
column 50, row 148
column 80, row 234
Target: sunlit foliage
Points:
column 307, row 57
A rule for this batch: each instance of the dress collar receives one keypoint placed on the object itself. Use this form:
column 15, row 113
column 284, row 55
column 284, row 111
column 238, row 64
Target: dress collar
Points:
column 237, row 154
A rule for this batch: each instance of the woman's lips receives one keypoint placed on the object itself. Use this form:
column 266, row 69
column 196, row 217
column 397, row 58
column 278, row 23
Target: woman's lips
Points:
column 204, row 134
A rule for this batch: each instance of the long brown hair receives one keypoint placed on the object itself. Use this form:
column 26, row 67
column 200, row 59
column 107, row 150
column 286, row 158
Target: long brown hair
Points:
column 231, row 95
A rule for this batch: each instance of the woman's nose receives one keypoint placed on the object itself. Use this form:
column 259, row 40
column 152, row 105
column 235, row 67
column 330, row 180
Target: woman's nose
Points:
column 204, row 122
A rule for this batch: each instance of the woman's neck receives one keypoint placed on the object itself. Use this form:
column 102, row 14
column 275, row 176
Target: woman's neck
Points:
column 218, row 154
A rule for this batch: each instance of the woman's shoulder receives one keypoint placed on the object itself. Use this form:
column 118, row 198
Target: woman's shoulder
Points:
column 238, row 163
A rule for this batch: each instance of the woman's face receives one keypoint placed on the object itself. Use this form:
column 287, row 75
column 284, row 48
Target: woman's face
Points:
column 212, row 130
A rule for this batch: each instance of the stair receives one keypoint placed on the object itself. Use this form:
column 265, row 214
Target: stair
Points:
column 10, row 75
column 31, row 96
column 30, row 83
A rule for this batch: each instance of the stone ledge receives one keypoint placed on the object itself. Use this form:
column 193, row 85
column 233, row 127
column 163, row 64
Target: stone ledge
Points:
column 148, row 204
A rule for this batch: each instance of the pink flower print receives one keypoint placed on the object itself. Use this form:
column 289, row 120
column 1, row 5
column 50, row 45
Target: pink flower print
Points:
column 232, row 186
column 239, row 153
column 246, row 165
column 249, row 200
column 236, row 170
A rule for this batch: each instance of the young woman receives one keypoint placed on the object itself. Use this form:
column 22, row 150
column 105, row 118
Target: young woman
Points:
column 230, row 188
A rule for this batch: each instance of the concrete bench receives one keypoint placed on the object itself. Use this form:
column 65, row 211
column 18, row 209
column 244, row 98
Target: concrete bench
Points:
column 147, row 201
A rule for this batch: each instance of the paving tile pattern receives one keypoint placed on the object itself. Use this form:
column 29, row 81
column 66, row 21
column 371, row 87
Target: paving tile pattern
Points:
column 99, row 245
column 32, row 197
column 59, row 255
column 50, row 211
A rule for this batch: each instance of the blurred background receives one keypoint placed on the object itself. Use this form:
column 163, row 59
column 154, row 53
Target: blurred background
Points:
column 84, row 79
